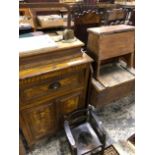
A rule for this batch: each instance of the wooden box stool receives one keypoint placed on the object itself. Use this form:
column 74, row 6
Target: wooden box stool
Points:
column 113, row 78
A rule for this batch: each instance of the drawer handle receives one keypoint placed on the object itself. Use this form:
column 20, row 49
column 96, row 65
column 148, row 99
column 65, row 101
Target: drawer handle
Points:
column 54, row 86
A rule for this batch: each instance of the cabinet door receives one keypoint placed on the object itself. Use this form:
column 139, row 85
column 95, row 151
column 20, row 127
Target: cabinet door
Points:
column 70, row 103
column 40, row 121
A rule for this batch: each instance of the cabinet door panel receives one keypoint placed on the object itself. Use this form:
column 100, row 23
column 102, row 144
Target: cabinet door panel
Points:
column 72, row 102
column 40, row 120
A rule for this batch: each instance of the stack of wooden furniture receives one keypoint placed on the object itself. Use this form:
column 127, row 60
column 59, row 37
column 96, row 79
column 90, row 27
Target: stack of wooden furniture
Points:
column 55, row 81
column 83, row 21
column 37, row 10
column 112, row 48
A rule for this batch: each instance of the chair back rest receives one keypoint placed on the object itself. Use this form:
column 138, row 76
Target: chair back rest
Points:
column 116, row 16
column 77, row 117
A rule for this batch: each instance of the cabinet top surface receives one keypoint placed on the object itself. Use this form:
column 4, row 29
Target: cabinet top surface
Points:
column 36, row 71
column 110, row 29
column 61, row 46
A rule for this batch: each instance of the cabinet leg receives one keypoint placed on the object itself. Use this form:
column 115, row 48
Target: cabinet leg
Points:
column 97, row 69
column 129, row 60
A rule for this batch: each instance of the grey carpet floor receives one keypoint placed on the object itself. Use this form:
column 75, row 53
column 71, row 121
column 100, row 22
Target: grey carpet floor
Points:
column 118, row 120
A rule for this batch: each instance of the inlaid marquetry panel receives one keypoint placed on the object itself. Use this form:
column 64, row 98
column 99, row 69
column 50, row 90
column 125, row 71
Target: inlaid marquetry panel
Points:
column 71, row 102
column 40, row 120
column 52, row 87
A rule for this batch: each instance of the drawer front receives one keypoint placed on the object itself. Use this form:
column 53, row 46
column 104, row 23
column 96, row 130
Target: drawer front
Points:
column 121, row 43
column 39, row 121
column 52, row 87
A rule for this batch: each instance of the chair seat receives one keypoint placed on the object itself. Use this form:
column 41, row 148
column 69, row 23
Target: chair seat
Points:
column 85, row 138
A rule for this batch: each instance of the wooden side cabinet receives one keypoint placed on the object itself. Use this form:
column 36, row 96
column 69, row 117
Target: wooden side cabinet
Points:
column 46, row 97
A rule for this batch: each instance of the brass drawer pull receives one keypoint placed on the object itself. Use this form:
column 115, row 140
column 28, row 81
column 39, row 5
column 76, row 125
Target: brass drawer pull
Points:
column 54, row 86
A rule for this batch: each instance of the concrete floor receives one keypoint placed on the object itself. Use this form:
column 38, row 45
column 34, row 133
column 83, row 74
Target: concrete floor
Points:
column 118, row 120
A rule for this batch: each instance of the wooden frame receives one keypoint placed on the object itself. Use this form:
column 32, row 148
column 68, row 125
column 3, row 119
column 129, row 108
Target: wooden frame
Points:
column 46, row 5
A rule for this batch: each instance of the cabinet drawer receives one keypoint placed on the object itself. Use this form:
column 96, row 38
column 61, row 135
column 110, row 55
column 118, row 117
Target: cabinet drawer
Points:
column 52, row 87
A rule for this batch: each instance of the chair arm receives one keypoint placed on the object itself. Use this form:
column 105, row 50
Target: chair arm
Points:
column 98, row 124
column 69, row 135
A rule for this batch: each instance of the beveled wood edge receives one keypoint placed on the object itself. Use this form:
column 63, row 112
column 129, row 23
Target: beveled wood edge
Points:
column 91, row 30
column 85, row 59
column 102, row 86
column 95, row 83
column 129, row 69
column 123, row 68
column 54, row 61
column 48, row 50
column 107, row 33
column 118, row 84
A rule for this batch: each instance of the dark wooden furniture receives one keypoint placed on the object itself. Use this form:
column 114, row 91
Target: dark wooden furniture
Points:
column 112, row 48
column 84, row 132
column 83, row 21
column 131, row 20
column 131, row 139
column 115, row 16
column 130, row 8
column 53, row 82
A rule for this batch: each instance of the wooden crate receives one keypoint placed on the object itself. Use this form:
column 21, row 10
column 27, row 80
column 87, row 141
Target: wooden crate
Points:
column 111, row 41
column 114, row 83
column 50, row 22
